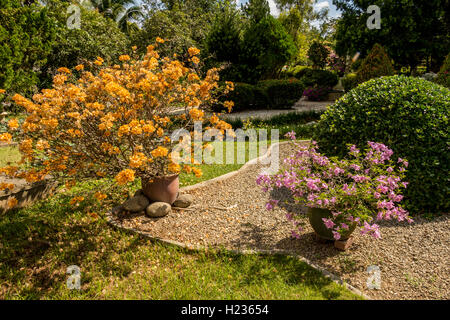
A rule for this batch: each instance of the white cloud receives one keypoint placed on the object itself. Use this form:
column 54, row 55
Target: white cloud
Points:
column 321, row 5
column 273, row 8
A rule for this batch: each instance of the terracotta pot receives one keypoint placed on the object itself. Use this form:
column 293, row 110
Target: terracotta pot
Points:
column 163, row 189
column 315, row 216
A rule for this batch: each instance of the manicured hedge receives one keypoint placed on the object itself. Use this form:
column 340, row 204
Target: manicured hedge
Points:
column 268, row 94
column 282, row 93
column 410, row 115
column 319, row 78
column 313, row 77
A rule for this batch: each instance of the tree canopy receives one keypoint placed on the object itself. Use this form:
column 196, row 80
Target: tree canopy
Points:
column 412, row 31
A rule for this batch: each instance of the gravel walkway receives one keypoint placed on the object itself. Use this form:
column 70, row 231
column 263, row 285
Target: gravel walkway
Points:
column 301, row 106
column 413, row 259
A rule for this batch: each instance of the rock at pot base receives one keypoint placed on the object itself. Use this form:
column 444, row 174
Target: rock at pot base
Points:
column 139, row 192
column 136, row 204
column 158, row 209
column 183, row 201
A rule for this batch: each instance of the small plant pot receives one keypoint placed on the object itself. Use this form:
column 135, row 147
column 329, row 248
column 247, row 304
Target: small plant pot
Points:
column 162, row 189
column 315, row 216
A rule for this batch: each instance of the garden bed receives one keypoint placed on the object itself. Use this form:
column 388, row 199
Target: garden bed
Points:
column 231, row 213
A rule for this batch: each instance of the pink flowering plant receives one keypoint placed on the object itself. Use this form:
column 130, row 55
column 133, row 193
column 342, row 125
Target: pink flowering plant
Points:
column 359, row 190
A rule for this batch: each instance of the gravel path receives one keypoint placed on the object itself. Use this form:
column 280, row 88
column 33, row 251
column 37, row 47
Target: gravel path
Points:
column 301, row 106
column 413, row 259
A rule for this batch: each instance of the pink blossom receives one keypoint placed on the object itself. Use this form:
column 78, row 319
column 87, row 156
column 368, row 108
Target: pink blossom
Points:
column 295, row 235
column 328, row 223
column 271, row 204
column 290, row 135
column 336, row 235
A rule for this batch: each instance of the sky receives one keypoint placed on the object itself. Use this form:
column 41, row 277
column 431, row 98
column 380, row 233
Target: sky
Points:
column 320, row 4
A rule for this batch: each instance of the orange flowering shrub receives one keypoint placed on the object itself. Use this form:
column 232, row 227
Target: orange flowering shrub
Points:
column 113, row 121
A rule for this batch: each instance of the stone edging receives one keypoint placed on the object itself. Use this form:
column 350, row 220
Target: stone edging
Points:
column 112, row 221
column 28, row 194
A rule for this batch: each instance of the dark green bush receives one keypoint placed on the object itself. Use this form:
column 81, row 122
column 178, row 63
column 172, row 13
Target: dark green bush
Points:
column 246, row 97
column 282, row 93
column 267, row 94
column 320, row 78
column 349, row 81
column 376, row 64
column 410, row 115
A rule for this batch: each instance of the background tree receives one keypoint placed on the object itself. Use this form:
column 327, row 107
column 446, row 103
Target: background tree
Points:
column 318, row 54
column 27, row 34
column 256, row 10
column 223, row 42
column 266, row 48
column 412, row 31
column 125, row 12
column 183, row 23
column 98, row 36
column 297, row 16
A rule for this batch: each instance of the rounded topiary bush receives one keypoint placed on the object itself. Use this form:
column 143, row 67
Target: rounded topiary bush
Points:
column 410, row 115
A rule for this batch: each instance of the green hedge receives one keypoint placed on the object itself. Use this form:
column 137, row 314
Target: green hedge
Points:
column 313, row 77
column 268, row 94
column 410, row 115
column 282, row 94
column 319, row 78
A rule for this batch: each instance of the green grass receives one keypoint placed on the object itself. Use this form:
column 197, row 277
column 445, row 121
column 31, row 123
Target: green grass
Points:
column 212, row 171
column 38, row 243
column 9, row 155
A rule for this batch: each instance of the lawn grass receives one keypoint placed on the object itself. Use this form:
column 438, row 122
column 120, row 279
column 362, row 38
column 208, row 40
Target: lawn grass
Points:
column 9, row 155
column 38, row 243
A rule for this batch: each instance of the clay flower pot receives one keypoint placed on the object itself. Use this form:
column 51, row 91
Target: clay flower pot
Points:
column 162, row 189
column 315, row 216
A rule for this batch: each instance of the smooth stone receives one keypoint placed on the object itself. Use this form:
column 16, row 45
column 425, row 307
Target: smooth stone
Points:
column 158, row 209
column 136, row 203
column 183, row 201
column 138, row 192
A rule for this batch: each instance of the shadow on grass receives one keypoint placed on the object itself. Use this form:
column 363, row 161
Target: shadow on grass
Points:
column 38, row 244
column 51, row 228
